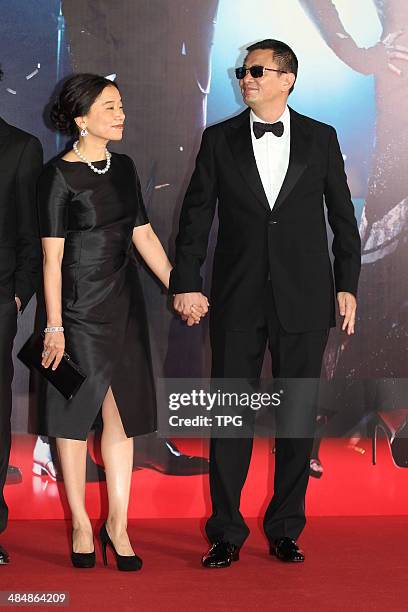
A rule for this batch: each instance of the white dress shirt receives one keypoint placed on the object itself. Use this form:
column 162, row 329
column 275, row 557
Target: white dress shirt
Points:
column 272, row 156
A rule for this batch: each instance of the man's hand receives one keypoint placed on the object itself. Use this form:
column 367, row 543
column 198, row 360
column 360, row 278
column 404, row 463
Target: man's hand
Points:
column 347, row 307
column 191, row 306
column 18, row 303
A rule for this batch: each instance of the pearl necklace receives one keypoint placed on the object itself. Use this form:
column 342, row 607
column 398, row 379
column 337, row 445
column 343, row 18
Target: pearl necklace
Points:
column 90, row 164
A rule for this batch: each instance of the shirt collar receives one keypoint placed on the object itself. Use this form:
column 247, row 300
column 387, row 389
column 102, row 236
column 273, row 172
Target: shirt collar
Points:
column 285, row 118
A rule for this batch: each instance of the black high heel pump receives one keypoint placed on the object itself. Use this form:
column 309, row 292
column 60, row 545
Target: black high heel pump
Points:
column 124, row 563
column 397, row 437
column 82, row 560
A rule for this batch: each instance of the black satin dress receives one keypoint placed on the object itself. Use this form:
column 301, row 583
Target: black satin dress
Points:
column 103, row 309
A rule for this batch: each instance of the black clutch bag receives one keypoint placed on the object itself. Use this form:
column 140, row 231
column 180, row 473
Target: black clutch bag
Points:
column 67, row 378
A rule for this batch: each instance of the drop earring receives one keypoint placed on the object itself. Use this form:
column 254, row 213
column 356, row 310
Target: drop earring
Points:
column 84, row 132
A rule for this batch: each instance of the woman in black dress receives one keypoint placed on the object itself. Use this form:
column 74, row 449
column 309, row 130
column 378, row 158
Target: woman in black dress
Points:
column 91, row 216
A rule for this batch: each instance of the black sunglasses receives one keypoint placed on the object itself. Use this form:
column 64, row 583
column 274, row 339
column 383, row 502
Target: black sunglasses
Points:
column 255, row 71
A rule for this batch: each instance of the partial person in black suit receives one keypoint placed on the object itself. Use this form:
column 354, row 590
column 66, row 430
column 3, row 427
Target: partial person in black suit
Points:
column 21, row 161
column 270, row 169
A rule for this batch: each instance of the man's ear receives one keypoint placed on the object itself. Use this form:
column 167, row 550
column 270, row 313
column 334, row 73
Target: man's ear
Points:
column 288, row 80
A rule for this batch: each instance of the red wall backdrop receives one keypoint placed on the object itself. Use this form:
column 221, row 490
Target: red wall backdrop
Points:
column 350, row 486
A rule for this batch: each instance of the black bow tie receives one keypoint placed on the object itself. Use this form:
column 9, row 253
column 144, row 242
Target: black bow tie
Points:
column 260, row 128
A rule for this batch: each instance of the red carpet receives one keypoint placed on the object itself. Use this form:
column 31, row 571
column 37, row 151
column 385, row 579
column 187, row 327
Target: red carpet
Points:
column 353, row 563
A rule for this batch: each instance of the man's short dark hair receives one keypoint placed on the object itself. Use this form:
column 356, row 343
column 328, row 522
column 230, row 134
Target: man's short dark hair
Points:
column 283, row 55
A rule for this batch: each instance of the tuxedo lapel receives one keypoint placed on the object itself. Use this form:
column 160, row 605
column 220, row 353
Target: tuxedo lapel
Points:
column 299, row 149
column 240, row 142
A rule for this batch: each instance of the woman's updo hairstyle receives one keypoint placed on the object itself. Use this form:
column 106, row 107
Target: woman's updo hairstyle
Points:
column 77, row 95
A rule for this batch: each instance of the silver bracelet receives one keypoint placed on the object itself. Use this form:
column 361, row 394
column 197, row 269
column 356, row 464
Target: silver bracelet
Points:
column 50, row 330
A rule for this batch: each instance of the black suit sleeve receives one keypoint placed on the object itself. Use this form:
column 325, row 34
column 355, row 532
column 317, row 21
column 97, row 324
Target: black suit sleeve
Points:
column 196, row 218
column 28, row 268
column 346, row 241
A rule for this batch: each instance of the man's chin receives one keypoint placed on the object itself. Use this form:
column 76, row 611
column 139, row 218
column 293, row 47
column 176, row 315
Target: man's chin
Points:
column 250, row 99
column 250, row 102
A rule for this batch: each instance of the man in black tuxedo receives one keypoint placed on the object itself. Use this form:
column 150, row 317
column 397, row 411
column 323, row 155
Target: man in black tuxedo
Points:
column 270, row 169
column 21, row 161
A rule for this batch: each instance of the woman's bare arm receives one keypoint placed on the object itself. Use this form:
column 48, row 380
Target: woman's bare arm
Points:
column 54, row 343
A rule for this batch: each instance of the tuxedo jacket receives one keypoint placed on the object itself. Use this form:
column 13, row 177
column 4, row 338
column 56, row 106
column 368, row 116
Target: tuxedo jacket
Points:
column 287, row 244
column 21, row 160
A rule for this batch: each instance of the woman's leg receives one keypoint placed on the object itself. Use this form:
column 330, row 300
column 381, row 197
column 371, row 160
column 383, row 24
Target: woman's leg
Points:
column 72, row 455
column 117, row 454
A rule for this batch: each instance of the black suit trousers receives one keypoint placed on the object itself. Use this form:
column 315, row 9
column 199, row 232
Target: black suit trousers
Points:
column 240, row 354
column 8, row 329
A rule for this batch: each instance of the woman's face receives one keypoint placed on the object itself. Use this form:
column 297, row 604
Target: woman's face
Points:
column 106, row 117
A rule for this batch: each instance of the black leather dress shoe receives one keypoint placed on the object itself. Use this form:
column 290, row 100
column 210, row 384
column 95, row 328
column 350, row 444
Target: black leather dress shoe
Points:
column 156, row 454
column 286, row 549
column 4, row 556
column 163, row 456
column 14, row 475
column 220, row 554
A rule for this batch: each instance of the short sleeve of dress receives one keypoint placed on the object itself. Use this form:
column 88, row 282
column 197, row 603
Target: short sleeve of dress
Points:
column 141, row 214
column 53, row 197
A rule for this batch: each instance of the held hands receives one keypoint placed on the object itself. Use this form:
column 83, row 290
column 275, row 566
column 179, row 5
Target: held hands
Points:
column 54, row 347
column 347, row 307
column 191, row 306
